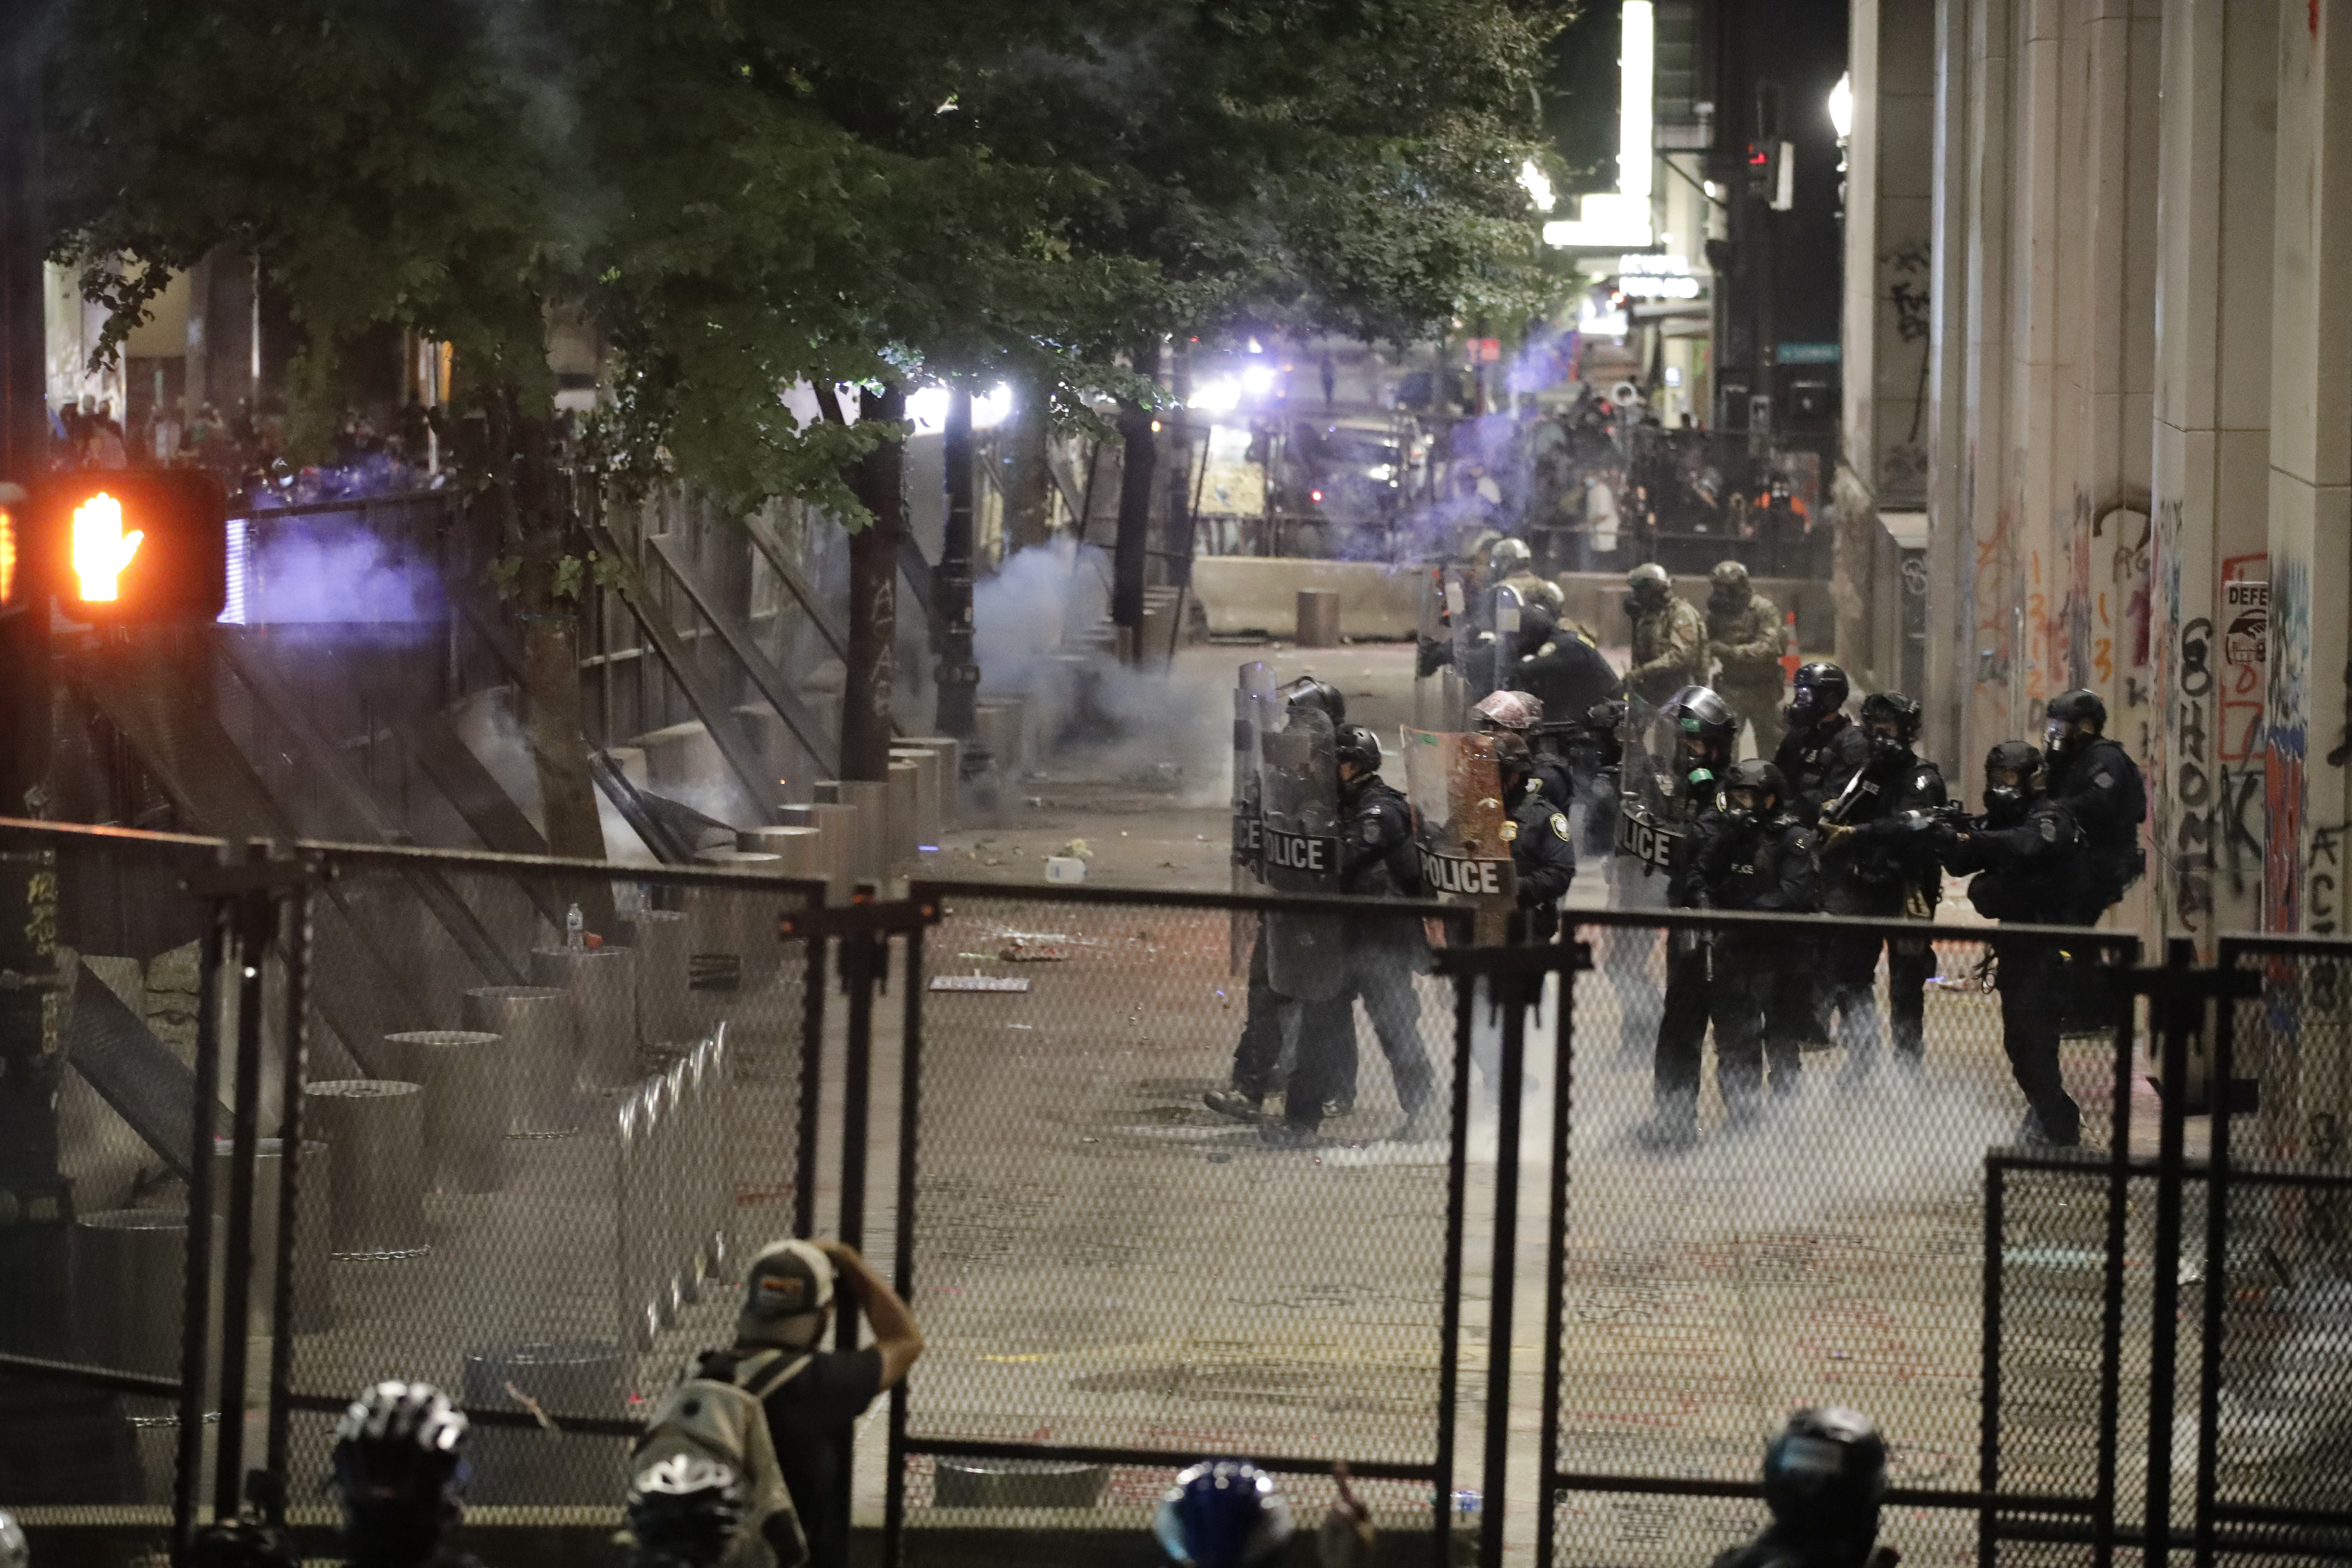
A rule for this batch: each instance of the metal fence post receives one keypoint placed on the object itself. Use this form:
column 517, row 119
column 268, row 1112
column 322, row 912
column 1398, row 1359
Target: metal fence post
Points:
column 253, row 941
column 2111, row 1329
column 812, row 1083
column 195, row 1348
column 297, row 931
column 910, row 1081
column 1449, row 1323
column 1509, row 994
column 1989, row 1420
column 1555, row 1260
column 2175, row 1011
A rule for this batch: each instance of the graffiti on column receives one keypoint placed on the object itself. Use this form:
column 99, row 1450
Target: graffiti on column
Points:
column 2037, row 631
column 2076, row 607
column 1904, row 465
column 2164, row 572
column 2192, row 792
column 2290, row 609
column 2320, row 899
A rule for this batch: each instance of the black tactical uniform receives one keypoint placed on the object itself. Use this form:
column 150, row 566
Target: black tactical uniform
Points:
column 1876, row 861
column 1543, row 857
column 1735, row 859
column 1823, row 748
column 2099, row 784
column 2028, row 857
column 1561, row 670
column 1377, row 859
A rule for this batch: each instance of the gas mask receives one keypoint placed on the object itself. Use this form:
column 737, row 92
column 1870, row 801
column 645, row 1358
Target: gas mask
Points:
column 2005, row 804
column 1803, row 710
column 2056, row 736
column 1884, row 749
column 1730, row 601
column 1744, row 806
column 1636, row 606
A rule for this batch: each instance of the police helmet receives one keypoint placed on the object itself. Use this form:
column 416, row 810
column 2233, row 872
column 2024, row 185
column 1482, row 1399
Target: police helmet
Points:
column 1223, row 1513
column 1357, row 744
column 2080, row 706
column 1825, row 1474
column 1308, row 693
column 1512, row 754
column 1509, row 710
column 1893, row 707
column 1761, row 779
column 1699, row 714
column 1537, row 625
column 1649, row 580
column 1821, row 690
column 2025, row 761
column 685, row 1509
column 1506, row 556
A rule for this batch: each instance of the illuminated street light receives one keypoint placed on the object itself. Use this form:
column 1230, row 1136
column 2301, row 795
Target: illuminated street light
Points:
column 1620, row 219
column 1842, row 107
column 1538, row 188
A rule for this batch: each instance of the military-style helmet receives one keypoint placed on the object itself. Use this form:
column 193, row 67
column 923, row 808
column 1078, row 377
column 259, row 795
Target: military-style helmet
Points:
column 1728, row 575
column 685, row 1509
column 1359, row 745
column 1760, row 777
column 2068, row 709
column 1825, row 1474
column 2081, row 703
column 1649, row 577
column 1506, row 556
column 1891, row 708
column 1223, row 1513
column 1509, row 710
column 1308, row 693
column 1820, row 690
column 1699, row 714
column 2018, row 757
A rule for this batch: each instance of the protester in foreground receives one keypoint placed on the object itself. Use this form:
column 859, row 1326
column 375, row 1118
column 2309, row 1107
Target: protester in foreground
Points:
column 1825, row 1477
column 1221, row 1513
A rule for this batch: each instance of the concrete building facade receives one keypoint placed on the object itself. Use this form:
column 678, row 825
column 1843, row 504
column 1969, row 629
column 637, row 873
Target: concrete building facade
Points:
column 2099, row 304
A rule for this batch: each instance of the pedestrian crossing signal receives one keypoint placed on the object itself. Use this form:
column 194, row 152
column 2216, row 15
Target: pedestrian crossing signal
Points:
column 124, row 545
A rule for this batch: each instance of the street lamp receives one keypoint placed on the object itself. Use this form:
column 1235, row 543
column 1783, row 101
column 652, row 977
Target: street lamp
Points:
column 1842, row 107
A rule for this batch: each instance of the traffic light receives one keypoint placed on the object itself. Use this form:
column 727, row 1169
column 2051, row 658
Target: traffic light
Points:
column 121, row 545
column 1772, row 174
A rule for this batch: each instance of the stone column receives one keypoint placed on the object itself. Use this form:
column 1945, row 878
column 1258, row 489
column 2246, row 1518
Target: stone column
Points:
column 2310, row 469
column 2216, row 153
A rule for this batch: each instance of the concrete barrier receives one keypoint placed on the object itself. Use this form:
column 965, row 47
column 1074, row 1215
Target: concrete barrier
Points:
column 1240, row 594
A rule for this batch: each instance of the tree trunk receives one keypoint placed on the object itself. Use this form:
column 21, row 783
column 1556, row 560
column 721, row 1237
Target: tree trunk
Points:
column 1028, row 481
column 873, row 597
column 959, row 676
column 534, row 497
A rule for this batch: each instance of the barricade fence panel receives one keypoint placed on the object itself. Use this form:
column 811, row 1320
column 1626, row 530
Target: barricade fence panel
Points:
column 555, row 1149
column 1774, row 1197
column 1101, row 1261
column 114, row 1000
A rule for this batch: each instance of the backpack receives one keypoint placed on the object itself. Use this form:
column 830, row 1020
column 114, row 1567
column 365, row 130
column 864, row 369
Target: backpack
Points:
column 718, row 1414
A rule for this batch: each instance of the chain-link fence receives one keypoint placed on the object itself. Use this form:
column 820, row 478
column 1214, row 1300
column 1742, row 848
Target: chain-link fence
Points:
column 1114, row 1278
column 1798, row 1220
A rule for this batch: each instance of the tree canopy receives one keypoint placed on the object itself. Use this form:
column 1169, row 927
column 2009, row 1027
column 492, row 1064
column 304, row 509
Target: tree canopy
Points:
column 743, row 196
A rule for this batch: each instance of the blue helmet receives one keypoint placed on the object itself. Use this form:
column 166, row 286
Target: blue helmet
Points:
column 1223, row 1513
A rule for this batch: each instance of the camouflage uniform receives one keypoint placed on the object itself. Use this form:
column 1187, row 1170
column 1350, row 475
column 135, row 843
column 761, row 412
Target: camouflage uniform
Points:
column 1669, row 649
column 1748, row 642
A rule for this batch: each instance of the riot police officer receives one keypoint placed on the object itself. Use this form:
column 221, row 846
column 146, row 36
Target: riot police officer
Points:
column 1543, row 857
column 1519, row 713
column 1560, row 667
column 2098, row 783
column 1875, row 862
column 1377, row 859
column 1745, row 637
column 1669, row 638
column 1510, row 565
column 1821, row 748
column 1825, row 1476
column 1270, row 1019
column 1750, row 854
column 2028, row 856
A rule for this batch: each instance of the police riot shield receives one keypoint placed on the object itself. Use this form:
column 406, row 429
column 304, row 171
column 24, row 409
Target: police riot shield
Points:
column 1656, row 806
column 1503, row 606
column 1255, row 709
column 1460, row 826
column 1298, row 838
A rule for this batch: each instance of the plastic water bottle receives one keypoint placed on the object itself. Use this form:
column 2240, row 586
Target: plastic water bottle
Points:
column 575, row 930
